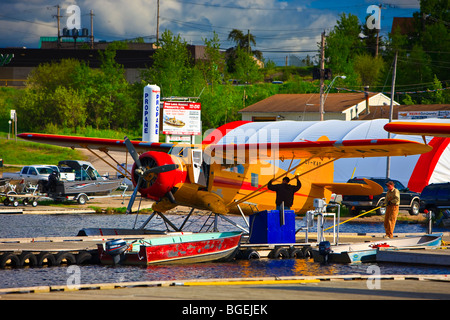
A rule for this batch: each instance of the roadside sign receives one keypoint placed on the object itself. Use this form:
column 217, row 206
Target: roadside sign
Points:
column 182, row 118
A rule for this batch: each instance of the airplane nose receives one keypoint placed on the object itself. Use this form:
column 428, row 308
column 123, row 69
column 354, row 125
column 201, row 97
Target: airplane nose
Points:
column 159, row 174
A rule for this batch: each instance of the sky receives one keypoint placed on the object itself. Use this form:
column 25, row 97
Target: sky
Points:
column 281, row 28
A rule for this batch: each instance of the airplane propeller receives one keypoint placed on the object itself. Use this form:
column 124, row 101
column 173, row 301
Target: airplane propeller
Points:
column 143, row 174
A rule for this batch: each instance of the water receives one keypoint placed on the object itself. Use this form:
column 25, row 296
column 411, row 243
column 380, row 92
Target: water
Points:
column 61, row 225
column 69, row 225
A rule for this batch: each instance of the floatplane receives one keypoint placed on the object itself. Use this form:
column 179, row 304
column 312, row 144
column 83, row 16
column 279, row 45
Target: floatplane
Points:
column 232, row 178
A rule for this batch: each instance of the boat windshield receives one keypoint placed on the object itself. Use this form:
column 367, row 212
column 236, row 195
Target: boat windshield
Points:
column 91, row 173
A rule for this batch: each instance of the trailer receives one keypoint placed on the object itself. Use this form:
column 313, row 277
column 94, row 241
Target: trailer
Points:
column 13, row 191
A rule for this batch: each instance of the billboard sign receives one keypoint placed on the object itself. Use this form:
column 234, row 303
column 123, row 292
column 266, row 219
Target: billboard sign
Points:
column 182, row 118
column 412, row 115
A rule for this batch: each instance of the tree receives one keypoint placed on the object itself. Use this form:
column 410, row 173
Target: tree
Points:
column 171, row 66
column 70, row 94
column 246, row 67
column 415, row 67
column 242, row 41
column 368, row 68
column 343, row 45
column 212, row 65
column 50, row 98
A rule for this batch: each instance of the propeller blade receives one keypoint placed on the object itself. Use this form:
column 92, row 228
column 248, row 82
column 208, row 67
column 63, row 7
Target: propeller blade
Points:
column 133, row 152
column 133, row 196
column 160, row 169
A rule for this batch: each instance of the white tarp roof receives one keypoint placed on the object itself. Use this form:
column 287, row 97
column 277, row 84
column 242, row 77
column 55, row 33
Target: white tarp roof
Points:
column 286, row 131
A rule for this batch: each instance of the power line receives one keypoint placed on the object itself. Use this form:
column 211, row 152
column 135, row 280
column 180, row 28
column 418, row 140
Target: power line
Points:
column 23, row 20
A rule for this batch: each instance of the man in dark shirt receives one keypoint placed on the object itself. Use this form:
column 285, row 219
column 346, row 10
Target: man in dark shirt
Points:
column 285, row 192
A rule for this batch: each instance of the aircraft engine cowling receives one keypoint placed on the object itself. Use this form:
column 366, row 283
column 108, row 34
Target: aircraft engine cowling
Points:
column 157, row 185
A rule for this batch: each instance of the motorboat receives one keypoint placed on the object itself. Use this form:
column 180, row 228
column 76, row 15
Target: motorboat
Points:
column 174, row 248
column 87, row 182
column 367, row 251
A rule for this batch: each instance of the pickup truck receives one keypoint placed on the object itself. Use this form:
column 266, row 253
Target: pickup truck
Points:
column 32, row 174
column 409, row 200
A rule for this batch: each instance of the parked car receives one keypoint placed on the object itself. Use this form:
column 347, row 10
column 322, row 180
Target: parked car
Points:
column 409, row 200
column 31, row 174
column 34, row 173
column 435, row 196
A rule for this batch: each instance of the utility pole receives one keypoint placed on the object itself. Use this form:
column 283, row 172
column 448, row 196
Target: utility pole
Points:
column 391, row 111
column 378, row 31
column 58, row 26
column 157, row 22
column 248, row 39
column 322, row 75
column 92, row 29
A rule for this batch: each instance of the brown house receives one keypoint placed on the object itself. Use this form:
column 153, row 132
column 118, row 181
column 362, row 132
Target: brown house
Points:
column 340, row 106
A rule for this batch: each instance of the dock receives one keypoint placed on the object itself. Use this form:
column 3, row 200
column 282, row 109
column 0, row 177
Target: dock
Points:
column 435, row 257
column 259, row 290
column 53, row 251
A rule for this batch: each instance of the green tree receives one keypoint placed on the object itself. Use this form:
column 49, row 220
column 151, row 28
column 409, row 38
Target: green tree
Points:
column 368, row 68
column 212, row 64
column 415, row 67
column 246, row 67
column 436, row 95
column 343, row 45
column 171, row 66
column 243, row 44
column 70, row 94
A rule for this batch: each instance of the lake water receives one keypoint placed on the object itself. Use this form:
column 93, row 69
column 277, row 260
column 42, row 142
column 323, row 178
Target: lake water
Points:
column 69, row 225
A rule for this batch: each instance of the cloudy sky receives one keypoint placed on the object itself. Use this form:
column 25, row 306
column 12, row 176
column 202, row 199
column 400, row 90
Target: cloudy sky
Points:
column 281, row 27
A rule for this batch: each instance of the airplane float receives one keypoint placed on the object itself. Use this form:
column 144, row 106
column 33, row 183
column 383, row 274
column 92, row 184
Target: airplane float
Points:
column 232, row 178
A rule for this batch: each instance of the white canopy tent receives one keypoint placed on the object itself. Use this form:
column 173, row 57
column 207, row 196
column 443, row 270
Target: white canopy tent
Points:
column 408, row 170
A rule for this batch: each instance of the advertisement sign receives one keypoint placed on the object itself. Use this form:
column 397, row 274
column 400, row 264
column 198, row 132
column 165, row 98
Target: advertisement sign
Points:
column 182, row 118
column 150, row 113
column 412, row 115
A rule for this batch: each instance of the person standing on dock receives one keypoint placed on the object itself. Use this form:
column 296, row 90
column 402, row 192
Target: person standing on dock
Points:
column 285, row 192
column 392, row 202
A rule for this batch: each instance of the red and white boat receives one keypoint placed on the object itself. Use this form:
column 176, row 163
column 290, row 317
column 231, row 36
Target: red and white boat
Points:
column 174, row 248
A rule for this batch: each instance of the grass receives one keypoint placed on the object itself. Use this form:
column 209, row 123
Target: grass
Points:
column 26, row 153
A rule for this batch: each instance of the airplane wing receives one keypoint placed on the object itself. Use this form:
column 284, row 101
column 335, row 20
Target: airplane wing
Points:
column 94, row 143
column 441, row 129
column 316, row 149
column 245, row 152
column 370, row 188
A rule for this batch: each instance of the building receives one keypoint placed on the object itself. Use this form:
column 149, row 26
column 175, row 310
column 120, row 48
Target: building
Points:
column 409, row 112
column 17, row 63
column 405, row 25
column 24, row 60
column 338, row 106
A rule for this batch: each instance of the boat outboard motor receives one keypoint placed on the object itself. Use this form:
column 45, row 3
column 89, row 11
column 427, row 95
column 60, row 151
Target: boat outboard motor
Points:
column 116, row 248
column 325, row 250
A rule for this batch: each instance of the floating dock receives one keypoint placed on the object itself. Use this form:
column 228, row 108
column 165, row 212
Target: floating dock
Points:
column 55, row 251
column 433, row 257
